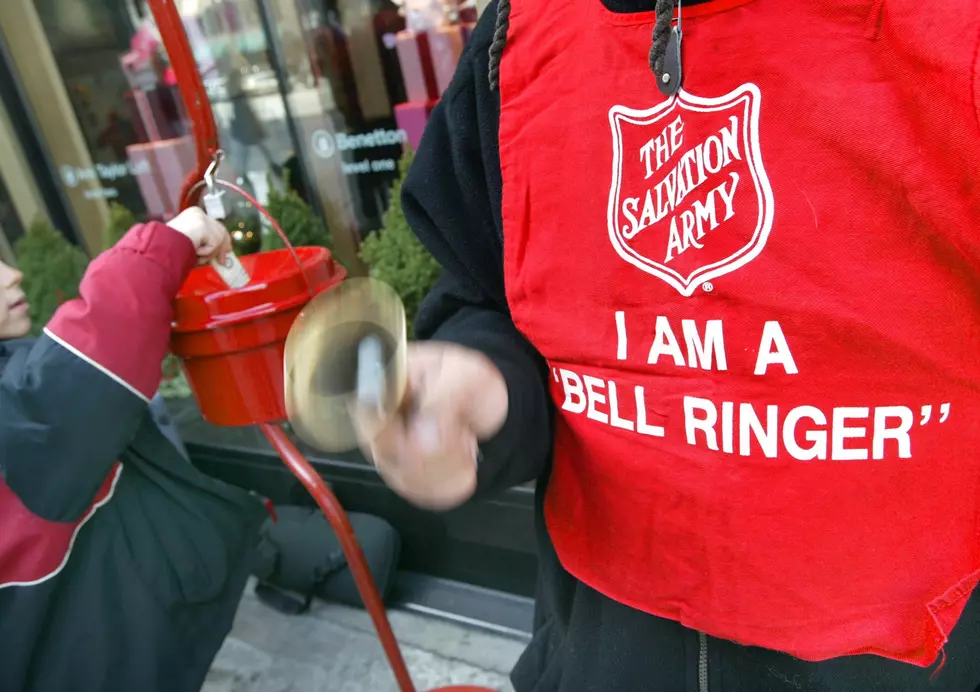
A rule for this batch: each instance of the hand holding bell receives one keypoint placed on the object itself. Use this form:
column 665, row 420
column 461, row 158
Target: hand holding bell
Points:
column 427, row 451
column 417, row 411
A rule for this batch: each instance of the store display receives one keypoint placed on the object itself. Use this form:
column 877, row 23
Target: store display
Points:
column 445, row 47
column 153, row 102
column 155, row 114
column 333, row 63
column 418, row 72
column 468, row 12
column 380, row 67
column 423, row 15
column 412, row 117
column 429, row 50
column 161, row 168
column 141, row 75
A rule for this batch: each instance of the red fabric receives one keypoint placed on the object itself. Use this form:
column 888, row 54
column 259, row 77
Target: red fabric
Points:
column 810, row 482
column 121, row 321
column 35, row 549
column 271, row 509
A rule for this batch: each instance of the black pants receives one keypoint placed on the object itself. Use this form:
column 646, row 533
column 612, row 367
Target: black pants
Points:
column 585, row 642
column 745, row 669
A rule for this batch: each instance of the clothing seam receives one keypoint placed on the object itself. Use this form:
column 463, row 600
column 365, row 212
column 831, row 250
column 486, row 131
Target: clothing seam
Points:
column 975, row 80
column 89, row 514
column 151, row 229
column 75, row 351
column 170, row 271
column 957, row 594
column 515, row 14
column 873, row 27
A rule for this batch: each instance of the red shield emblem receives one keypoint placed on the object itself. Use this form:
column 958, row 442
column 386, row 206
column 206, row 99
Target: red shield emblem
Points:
column 689, row 200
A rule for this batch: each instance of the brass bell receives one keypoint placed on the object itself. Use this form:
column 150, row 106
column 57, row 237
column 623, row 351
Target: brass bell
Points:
column 344, row 353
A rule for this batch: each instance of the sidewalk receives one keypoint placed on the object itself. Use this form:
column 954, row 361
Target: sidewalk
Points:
column 334, row 649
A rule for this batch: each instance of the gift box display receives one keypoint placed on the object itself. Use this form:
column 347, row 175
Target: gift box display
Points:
column 445, row 47
column 155, row 106
column 412, row 117
column 160, row 169
column 418, row 72
column 429, row 50
column 142, row 78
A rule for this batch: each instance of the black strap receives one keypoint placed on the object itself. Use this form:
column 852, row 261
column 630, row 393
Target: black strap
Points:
column 295, row 556
column 281, row 600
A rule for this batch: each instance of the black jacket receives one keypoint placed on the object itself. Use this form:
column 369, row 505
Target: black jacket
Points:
column 121, row 565
column 583, row 640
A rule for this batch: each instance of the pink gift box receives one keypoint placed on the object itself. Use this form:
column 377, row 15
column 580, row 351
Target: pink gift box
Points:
column 445, row 47
column 160, row 169
column 142, row 78
column 415, row 60
column 412, row 117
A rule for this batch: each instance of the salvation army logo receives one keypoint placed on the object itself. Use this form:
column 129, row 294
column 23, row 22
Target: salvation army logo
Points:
column 690, row 200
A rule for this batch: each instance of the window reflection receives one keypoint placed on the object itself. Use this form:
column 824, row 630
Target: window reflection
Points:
column 322, row 95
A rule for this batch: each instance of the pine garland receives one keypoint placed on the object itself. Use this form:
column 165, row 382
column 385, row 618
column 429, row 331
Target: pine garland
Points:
column 395, row 255
column 297, row 219
column 52, row 267
column 121, row 220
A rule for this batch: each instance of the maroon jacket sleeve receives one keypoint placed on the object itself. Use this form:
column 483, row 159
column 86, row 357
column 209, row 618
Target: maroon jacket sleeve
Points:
column 72, row 403
column 120, row 324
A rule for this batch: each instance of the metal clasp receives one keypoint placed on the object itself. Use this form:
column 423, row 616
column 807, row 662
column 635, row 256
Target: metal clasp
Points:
column 209, row 174
column 670, row 81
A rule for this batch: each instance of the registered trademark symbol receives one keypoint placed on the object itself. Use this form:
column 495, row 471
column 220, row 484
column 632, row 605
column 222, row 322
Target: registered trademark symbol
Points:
column 708, row 286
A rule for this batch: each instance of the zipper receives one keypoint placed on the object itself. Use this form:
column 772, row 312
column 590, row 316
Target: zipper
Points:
column 702, row 662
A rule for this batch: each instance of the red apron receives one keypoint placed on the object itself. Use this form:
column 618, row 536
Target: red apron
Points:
column 760, row 303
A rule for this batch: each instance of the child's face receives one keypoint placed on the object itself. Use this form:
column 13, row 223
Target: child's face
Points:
column 15, row 318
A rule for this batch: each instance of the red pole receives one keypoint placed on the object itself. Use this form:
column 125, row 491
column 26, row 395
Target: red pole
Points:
column 335, row 514
column 192, row 90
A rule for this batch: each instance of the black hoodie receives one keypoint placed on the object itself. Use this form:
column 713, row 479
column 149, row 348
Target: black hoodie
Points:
column 583, row 641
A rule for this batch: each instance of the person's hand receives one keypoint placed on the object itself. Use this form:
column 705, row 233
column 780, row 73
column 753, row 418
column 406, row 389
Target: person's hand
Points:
column 210, row 238
column 427, row 453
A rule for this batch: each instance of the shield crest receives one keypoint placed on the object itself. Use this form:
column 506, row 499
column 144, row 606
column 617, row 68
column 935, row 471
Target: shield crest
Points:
column 689, row 200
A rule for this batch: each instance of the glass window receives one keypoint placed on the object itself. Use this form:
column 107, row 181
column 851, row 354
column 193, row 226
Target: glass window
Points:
column 11, row 226
column 324, row 94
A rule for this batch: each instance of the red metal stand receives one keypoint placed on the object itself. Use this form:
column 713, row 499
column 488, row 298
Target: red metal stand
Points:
column 206, row 142
column 335, row 514
column 191, row 89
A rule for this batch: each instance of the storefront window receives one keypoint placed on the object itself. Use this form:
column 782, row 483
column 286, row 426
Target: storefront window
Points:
column 324, row 94
column 11, row 226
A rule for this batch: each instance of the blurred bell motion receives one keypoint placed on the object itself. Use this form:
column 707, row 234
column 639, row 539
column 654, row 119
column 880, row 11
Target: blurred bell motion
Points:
column 346, row 352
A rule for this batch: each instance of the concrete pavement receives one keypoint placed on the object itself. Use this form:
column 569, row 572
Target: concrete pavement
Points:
column 334, row 649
